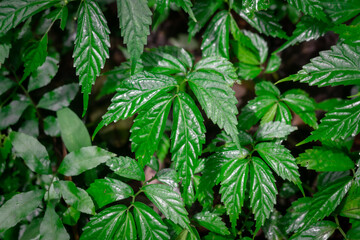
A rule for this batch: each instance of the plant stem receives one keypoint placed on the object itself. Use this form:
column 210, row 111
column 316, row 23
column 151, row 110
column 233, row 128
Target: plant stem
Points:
column 339, row 228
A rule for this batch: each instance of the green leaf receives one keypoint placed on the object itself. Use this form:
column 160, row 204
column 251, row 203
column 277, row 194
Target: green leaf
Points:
column 167, row 60
column 148, row 222
column 73, row 131
column 32, row 230
column 126, row 167
column 294, row 218
column 91, row 46
column 149, row 127
column 339, row 123
column 310, row 7
column 219, row 65
column 105, row 224
column 135, row 19
column 350, row 34
column 320, row 230
column 354, row 232
column 83, row 159
column 71, row 216
column 75, row 197
column 14, row 12
column 34, row 56
column 265, row 23
column 186, row 6
column 283, row 113
column 216, row 37
column 272, row 130
column 44, row 74
column 127, row 230
column 51, row 126
column 273, row 64
column 263, row 191
column 251, row 6
column 351, row 206
column 323, row 159
column 273, row 227
column 326, row 178
column 325, row 201
column 161, row 12
column 59, row 98
column 212, row 222
column 203, row 10
column 338, row 66
column 134, row 93
column 168, row 176
column 234, row 176
column 248, row 71
column 51, row 226
column 5, row 47
column 339, row 10
column 5, row 84
column 259, row 44
column 280, row 160
column 108, row 190
column 168, row 202
column 187, row 137
column 217, row 99
column 32, row 151
column 18, row 207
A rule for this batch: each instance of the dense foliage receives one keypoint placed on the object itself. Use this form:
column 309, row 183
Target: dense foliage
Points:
column 190, row 156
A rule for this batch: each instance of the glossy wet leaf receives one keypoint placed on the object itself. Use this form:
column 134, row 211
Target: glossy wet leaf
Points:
column 18, row 207
column 71, row 216
column 273, row 228
column 133, row 93
column 340, row 11
column 263, row 190
column 168, row 176
column 321, row 230
column 148, row 223
column 251, row 6
column 51, row 226
column 323, row 159
column 217, row 99
column 148, row 128
column 76, row 197
column 44, row 74
column 73, row 131
column 59, row 98
column 108, row 190
column 5, row 47
column 296, row 213
column 212, row 222
column 34, row 55
column 126, row 167
column 186, row 6
column 351, row 205
column 310, row 7
column 168, row 202
column 91, row 46
column 272, row 130
column 85, row 158
column 234, row 177
column 31, row 151
column 273, row 64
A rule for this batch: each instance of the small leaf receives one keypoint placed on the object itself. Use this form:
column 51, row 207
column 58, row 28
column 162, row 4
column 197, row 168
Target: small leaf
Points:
column 168, row 176
column 149, row 224
column 126, row 167
column 212, row 222
column 108, row 190
column 263, row 191
column 247, row 71
column 32, row 151
column 272, row 130
column 44, row 74
column 310, row 7
column 51, row 226
column 73, row 131
column 168, row 202
column 149, row 127
column 266, row 88
column 273, row 227
column 186, row 6
column 34, row 56
column 5, row 83
column 18, row 207
column 59, row 98
column 32, row 230
column 351, row 206
column 51, row 126
column 83, row 159
column 91, row 46
column 283, row 113
column 216, row 37
column 273, row 64
column 5, row 47
column 251, row 6
column 75, row 197
column 323, row 159
column 71, row 216
column 320, row 230
column 127, row 230
column 105, row 224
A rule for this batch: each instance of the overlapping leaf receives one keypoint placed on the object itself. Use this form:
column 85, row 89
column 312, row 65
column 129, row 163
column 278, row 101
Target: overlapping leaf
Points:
column 51, row 226
column 59, row 98
column 186, row 6
column 272, row 130
column 251, row 6
column 34, row 56
column 126, row 167
column 310, row 7
column 91, row 46
column 212, row 222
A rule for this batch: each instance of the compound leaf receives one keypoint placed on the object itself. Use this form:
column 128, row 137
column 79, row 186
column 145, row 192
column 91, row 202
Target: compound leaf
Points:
column 272, row 130
column 127, row 230
column 212, row 222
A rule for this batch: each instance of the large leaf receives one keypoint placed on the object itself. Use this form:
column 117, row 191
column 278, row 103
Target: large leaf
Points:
column 212, row 222
column 135, row 19
column 126, row 167
column 320, row 231
column 263, row 191
column 323, row 159
column 234, row 176
column 75, row 197
column 187, row 137
column 310, row 7
column 18, row 207
column 338, row 66
column 339, row 123
column 168, row 202
column 272, row 130
column 217, row 99
column 51, row 226
column 294, row 218
column 59, row 98
column 91, row 46
column 34, row 56
column 73, row 131
column 108, row 190
column 16, row 11
column 149, row 127
column 83, row 159
column 105, row 224
column 216, row 37
column 134, row 93
column 32, row 151
column 280, row 160
column 341, row 10
column 149, row 224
